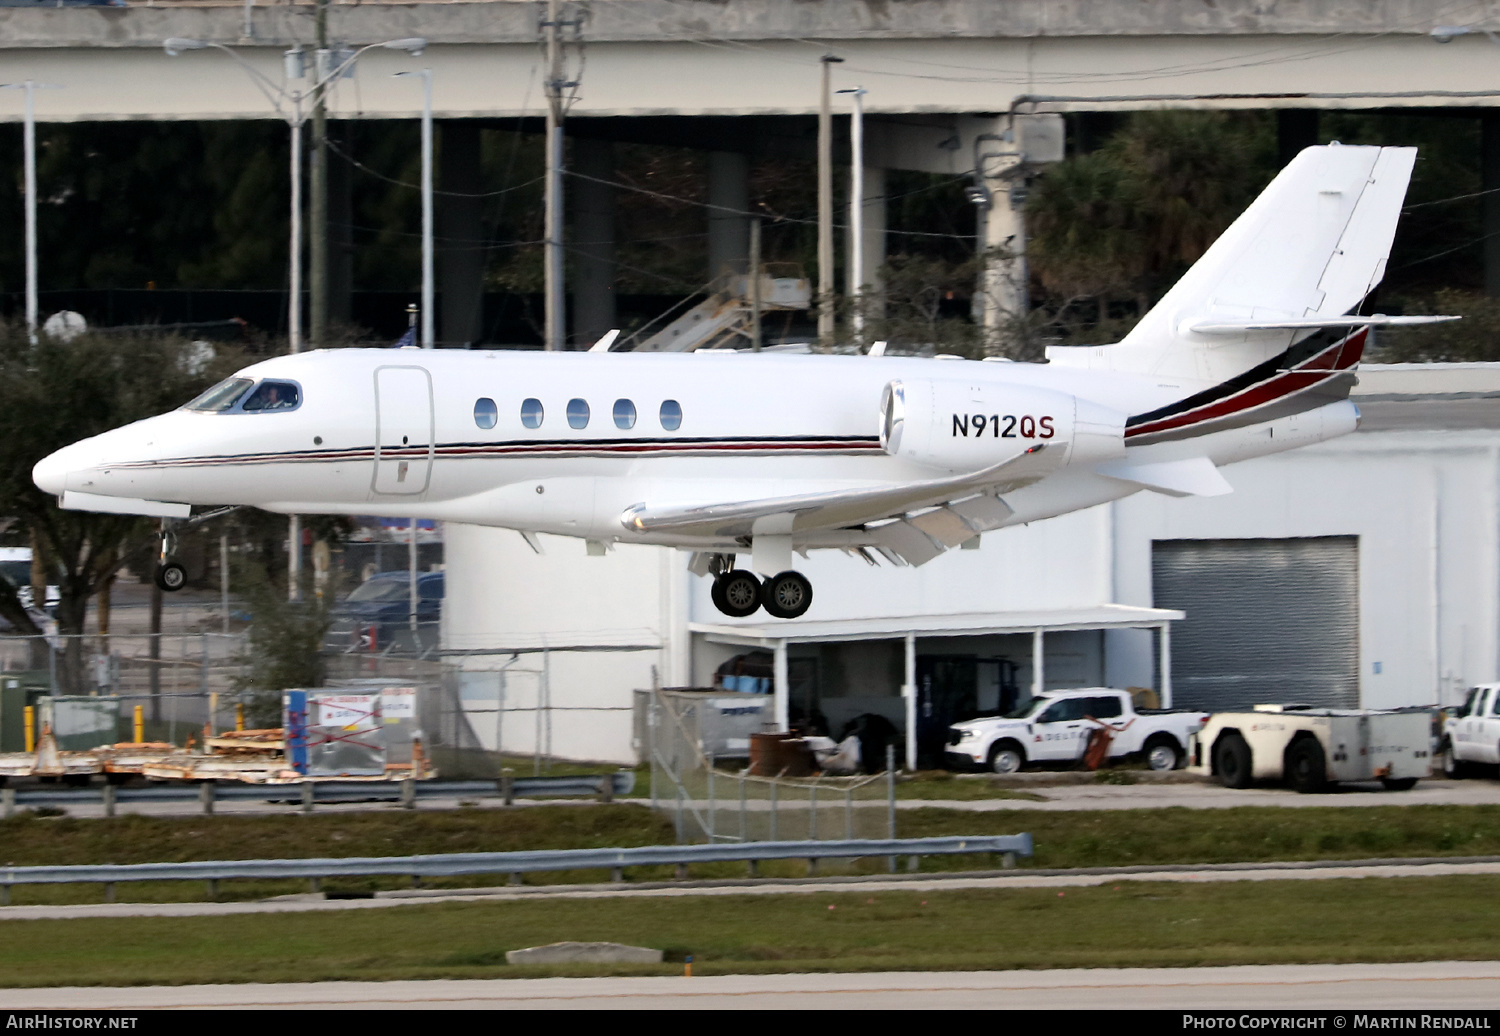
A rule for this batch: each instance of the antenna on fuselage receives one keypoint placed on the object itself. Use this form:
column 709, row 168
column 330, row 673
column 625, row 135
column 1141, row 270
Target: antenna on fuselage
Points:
column 604, row 344
column 878, row 349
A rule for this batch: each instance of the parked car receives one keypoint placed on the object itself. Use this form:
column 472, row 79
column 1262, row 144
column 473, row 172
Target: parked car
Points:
column 1055, row 727
column 1311, row 748
column 376, row 616
column 15, row 568
column 1471, row 732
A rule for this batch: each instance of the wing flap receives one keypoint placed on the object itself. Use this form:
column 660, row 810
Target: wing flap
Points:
column 847, row 507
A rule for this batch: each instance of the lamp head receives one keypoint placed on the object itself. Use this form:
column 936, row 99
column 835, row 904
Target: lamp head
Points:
column 176, row 45
column 413, row 45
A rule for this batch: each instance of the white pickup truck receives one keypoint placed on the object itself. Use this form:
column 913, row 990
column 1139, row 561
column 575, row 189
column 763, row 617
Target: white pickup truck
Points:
column 1471, row 733
column 1055, row 726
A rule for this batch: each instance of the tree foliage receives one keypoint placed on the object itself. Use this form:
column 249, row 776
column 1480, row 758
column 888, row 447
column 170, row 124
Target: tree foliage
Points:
column 54, row 393
column 1119, row 225
column 285, row 639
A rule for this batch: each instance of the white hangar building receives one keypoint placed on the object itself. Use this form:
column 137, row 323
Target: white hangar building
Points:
column 1364, row 571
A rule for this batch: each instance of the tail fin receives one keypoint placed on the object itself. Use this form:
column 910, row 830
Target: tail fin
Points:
column 1313, row 245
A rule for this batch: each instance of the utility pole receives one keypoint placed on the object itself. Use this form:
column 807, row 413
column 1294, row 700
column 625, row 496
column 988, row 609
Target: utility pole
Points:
column 555, row 331
column 825, row 204
column 317, row 280
column 755, row 302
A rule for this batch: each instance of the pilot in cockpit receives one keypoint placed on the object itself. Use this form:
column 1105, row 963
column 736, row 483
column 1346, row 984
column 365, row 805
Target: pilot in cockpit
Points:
column 272, row 395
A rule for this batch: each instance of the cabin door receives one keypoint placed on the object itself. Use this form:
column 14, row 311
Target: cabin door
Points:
column 403, row 430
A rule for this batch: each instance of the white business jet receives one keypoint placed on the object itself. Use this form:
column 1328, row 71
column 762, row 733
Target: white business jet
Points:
column 733, row 455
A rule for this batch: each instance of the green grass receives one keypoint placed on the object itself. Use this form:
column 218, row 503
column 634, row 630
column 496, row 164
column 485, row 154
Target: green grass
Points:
column 939, row 784
column 1102, row 838
column 1119, row 924
column 1114, row 838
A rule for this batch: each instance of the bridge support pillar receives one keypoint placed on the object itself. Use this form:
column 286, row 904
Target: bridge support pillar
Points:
column 593, row 205
column 728, row 230
column 1490, row 181
column 460, row 236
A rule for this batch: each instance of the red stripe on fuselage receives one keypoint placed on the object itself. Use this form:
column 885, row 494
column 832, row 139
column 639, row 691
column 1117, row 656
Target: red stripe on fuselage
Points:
column 1338, row 357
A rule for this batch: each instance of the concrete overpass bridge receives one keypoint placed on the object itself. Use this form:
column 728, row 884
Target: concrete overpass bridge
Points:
column 741, row 78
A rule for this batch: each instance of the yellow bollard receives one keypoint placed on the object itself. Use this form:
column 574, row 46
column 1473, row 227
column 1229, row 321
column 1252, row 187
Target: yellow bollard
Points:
column 239, row 716
column 138, row 730
column 687, row 967
column 30, row 714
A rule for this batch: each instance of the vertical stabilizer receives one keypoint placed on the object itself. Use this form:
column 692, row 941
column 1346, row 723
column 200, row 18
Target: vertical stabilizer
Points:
column 1313, row 245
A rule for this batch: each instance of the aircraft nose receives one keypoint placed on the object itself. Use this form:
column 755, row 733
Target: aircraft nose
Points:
column 51, row 473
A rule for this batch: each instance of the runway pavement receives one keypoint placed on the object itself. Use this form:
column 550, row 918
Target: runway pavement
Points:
column 1440, row 986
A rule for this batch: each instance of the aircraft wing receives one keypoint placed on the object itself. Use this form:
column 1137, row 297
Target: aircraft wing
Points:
column 969, row 505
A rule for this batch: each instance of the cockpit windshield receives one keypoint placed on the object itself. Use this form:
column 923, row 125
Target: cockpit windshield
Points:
column 222, row 396
column 273, row 395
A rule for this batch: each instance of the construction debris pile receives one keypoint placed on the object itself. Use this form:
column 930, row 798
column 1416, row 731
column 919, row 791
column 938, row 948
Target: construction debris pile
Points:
column 350, row 735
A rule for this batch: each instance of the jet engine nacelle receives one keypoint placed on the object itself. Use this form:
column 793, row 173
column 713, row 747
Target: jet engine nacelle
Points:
column 959, row 425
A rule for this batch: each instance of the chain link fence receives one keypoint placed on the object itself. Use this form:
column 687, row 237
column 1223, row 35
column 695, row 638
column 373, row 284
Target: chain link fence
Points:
column 711, row 800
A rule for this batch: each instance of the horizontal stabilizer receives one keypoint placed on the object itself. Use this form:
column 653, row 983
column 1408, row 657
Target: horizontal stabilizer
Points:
column 123, row 505
column 1222, row 327
column 1196, row 476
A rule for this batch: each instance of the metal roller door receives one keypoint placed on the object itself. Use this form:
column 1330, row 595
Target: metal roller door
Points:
column 1267, row 620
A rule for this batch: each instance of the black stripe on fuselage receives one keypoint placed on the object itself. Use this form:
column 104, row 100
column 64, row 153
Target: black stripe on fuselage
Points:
column 1298, row 354
column 531, row 447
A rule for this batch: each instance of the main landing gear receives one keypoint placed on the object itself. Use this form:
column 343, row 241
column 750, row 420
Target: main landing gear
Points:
column 169, row 574
column 737, row 593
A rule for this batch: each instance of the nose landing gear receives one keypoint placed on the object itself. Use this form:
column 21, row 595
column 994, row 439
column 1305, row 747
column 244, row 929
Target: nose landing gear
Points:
column 738, row 593
column 170, row 575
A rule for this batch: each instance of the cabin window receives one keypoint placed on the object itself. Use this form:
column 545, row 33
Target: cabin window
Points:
column 578, row 413
column 624, row 414
column 671, row 415
column 485, row 412
column 273, row 395
column 531, row 413
column 222, row 396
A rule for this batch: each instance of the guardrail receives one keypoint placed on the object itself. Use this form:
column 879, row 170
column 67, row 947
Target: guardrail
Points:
column 515, row 864
column 307, row 793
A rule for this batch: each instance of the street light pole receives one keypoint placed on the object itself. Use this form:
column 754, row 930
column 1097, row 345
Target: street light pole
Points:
column 825, row 204
column 30, row 157
column 28, row 139
column 428, row 336
column 428, row 294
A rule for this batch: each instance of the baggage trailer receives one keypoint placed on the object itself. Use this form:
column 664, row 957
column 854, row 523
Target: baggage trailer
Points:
column 1312, row 748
